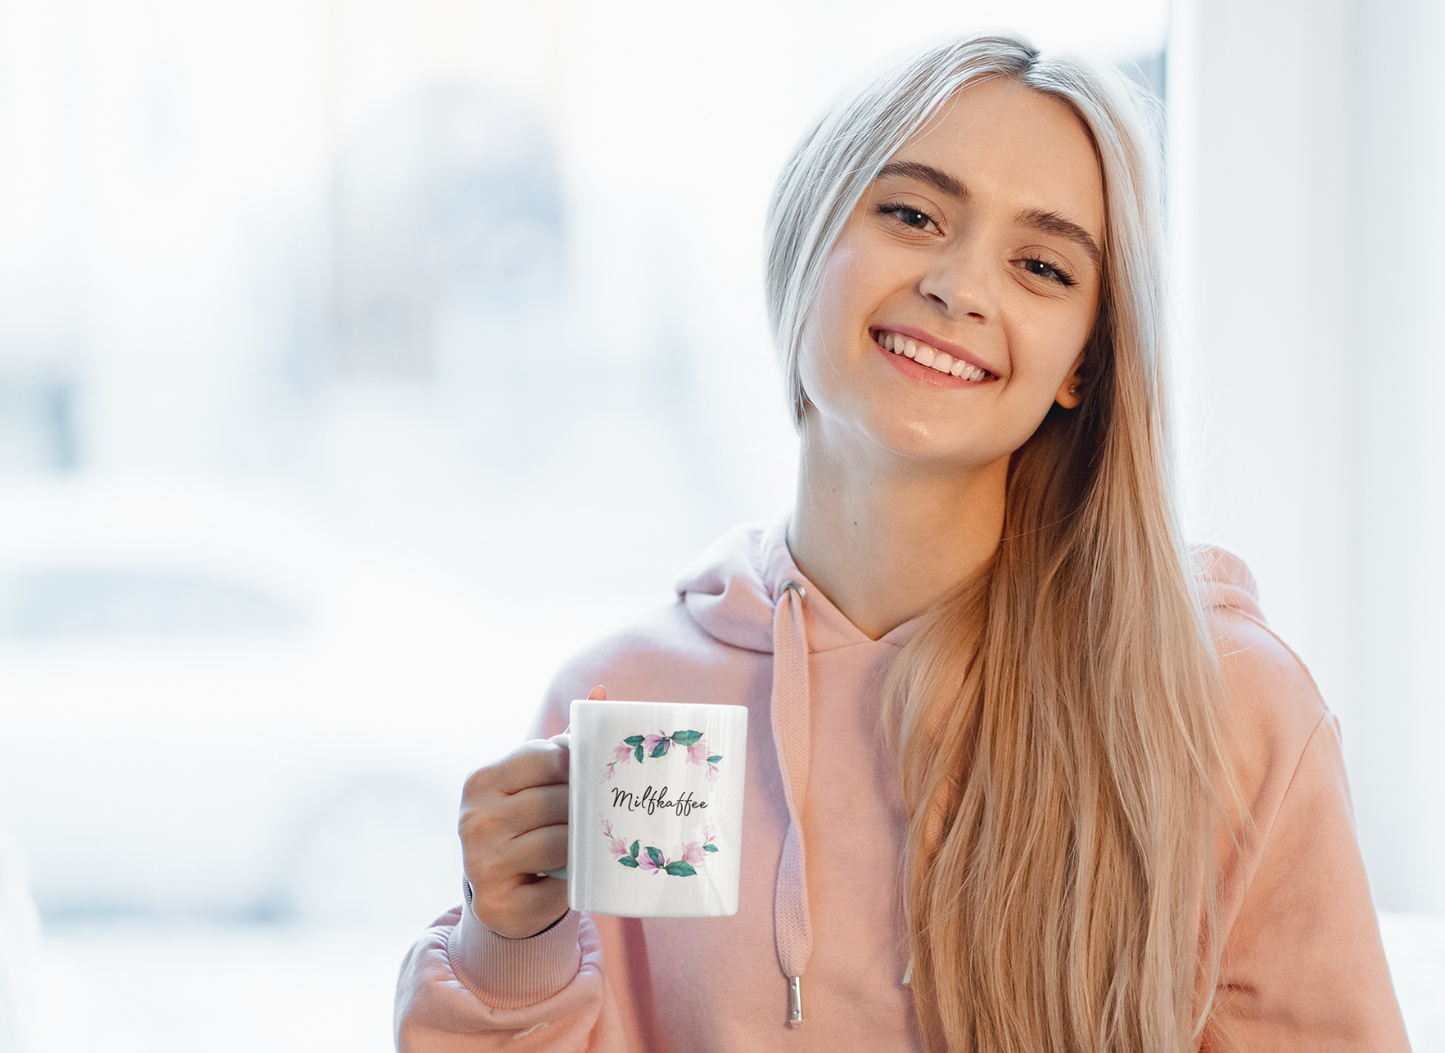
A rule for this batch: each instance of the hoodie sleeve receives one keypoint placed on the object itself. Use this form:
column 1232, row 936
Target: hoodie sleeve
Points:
column 1303, row 966
column 463, row 989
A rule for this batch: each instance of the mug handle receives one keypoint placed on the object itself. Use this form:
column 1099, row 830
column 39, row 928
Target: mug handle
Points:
column 565, row 741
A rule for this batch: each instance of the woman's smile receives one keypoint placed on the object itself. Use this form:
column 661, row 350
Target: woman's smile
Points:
column 912, row 350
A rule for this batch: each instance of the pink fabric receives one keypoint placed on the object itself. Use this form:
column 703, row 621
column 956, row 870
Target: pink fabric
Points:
column 1304, row 968
column 792, row 733
column 512, row 974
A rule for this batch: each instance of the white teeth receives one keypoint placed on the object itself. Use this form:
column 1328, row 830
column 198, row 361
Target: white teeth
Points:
column 924, row 355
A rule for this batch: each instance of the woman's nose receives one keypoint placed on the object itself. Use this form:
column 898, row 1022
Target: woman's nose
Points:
column 960, row 282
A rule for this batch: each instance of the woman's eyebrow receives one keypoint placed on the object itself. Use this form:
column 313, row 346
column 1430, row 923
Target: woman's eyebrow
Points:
column 1053, row 223
column 934, row 177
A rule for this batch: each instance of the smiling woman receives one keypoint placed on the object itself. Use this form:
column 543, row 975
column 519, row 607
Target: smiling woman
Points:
column 1116, row 797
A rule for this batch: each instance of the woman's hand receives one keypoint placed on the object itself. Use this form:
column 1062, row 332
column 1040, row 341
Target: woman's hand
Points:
column 513, row 828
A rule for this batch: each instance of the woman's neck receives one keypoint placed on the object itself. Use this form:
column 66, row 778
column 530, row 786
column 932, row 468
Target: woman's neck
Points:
column 886, row 537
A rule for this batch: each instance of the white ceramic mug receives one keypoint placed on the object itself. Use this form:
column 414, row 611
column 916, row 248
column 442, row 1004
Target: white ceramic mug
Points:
column 655, row 808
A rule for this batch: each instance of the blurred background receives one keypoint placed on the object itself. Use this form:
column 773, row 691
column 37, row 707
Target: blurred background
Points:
column 362, row 359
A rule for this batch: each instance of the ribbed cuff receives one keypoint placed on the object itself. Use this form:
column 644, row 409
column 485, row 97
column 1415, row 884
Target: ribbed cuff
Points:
column 510, row 974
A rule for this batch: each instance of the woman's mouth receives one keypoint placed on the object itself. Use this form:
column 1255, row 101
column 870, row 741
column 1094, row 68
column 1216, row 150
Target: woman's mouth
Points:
column 924, row 355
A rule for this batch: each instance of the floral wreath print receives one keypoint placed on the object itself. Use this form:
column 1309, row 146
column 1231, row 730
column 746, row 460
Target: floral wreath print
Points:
column 659, row 745
column 653, row 860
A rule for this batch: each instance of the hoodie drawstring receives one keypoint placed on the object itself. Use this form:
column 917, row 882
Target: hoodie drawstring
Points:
column 791, row 736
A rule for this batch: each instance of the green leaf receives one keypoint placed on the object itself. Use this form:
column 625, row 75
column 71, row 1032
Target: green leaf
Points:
column 709, row 848
column 686, row 738
column 714, row 758
column 627, row 861
column 682, row 868
column 633, row 849
column 656, row 855
column 661, row 749
column 633, row 740
column 637, row 752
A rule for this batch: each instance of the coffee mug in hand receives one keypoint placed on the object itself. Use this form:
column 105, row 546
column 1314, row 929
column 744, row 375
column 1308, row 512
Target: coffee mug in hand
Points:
column 655, row 808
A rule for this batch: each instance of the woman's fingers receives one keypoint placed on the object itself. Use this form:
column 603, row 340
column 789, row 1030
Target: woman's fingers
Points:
column 492, row 816
column 513, row 826
column 520, row 860
column 508, row 896
column 532, row 808
column 538, row 851
column 533, row 763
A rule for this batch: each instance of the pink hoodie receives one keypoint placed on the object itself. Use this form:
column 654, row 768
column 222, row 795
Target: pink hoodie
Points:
column 1303, row 970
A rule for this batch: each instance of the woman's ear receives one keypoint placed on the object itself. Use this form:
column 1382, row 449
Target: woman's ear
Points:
column 1071, row 391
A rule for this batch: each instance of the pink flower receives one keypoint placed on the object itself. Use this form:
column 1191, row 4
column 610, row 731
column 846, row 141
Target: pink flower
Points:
column 645, row 863
column 607, row 827
column 693, row 853
column 709, row 831
column 618, row 846
column 697, row 753
column 653, row 741
column 621, row 754
column 712, row 774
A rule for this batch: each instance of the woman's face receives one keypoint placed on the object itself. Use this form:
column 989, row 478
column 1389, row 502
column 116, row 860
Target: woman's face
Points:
column 979, row 241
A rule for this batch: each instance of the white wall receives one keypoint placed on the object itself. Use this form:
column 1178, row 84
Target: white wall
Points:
column 1306, row 147
column 1400, row 508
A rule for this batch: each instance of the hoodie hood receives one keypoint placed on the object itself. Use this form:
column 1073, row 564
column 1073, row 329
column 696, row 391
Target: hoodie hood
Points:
column 733, row 589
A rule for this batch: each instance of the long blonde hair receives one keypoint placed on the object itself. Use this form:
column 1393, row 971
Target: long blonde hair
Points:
column 1056, row 719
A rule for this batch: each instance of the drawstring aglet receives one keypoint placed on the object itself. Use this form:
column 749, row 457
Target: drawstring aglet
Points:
column 795, row 989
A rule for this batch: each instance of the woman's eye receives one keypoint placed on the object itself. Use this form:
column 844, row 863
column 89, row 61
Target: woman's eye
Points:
column 909, row 217
column 1047, row 271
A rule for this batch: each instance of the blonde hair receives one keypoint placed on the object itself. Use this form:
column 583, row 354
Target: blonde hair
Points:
column 1059, row 765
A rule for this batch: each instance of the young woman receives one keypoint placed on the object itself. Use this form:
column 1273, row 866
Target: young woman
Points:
column 1023, row 774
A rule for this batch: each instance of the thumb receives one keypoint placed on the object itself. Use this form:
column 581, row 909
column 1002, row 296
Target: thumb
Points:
column 599, row 694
